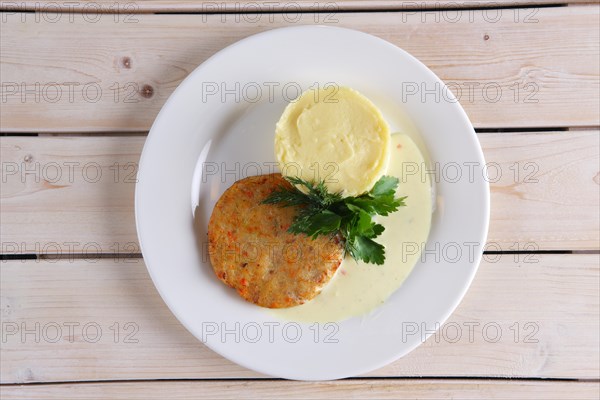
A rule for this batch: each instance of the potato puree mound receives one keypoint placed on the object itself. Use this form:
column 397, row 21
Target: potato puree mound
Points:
column 333, row 134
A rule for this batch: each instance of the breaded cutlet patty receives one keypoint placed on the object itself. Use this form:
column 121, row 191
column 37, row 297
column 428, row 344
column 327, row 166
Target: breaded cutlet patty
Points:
column 251, row 250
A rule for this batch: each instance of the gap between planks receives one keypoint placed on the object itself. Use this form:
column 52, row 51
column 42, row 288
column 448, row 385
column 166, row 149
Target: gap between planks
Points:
column 268, row 6
column 342, row 390
column 145, row 133
column 85, row 256
column 269, row 379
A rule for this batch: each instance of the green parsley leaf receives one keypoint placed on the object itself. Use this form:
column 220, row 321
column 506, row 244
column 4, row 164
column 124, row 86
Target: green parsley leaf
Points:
column 368, row 250
column 322, row 223
column 386, row 186
column 323, row 213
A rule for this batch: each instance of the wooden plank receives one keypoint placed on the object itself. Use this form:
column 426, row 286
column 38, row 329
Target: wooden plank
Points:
column 122, row 76
column 553, row 336
column 76, row 190
column 342, row 390
column 246, row 6
column 546, row 197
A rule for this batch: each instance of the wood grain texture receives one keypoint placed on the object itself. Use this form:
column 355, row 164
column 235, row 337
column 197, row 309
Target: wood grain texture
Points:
column 240, row 6
column 548, row 194
column 546, row 197
column 542, row 70
column 76, row 190
column 339, row 390
column 545, row 305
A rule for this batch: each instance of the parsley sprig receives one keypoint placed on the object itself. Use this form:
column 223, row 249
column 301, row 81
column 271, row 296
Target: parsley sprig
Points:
column 323, row 213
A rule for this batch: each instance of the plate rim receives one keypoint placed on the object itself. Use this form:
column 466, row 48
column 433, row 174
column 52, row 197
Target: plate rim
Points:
column 394, row 355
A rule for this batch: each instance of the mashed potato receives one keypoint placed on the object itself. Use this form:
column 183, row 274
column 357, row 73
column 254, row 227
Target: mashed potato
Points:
column 333, row 134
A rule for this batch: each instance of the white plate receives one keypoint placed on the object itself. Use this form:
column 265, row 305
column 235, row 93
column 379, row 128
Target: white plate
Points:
column 225, row 112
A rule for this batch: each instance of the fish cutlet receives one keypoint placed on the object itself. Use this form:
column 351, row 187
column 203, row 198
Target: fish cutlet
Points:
column 251, row 251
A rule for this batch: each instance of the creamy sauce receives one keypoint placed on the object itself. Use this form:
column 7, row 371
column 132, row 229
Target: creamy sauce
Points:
column 358, row 288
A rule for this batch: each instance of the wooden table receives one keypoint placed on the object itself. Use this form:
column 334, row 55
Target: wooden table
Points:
column 80, row 316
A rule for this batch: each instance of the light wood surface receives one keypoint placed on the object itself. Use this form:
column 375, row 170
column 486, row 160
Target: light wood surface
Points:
column 553, row 336
column 545, row 199
column 543, row 54
column 117, row 75
column 340, row 390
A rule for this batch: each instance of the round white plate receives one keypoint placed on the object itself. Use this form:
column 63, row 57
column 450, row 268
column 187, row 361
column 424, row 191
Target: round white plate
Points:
column 218, row 127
